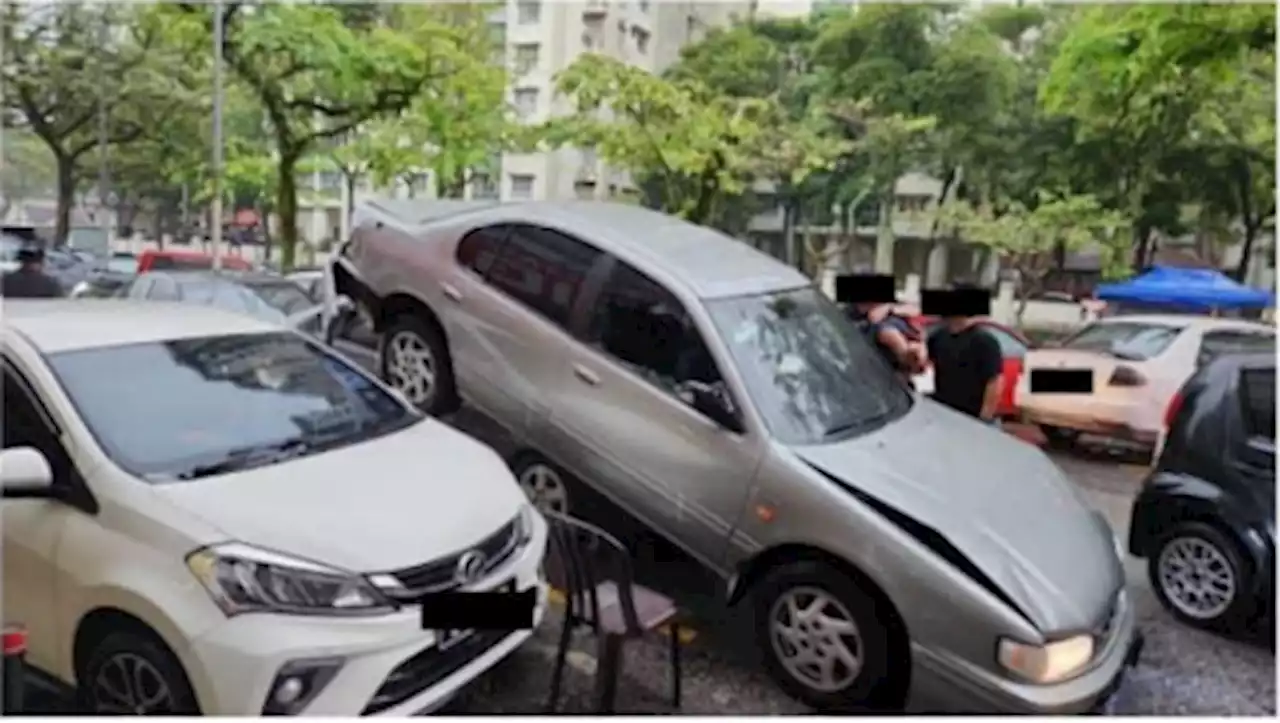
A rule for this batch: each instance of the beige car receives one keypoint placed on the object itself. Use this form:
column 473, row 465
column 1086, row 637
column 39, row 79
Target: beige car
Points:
column 1136, row 363
column 717, row 396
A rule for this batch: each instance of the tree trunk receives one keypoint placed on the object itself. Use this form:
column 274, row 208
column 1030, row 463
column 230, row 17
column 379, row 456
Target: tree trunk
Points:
column 66, row 197
column 287, row 208
column 352, row 179
column 884, row 234
column 1141, row 244
column 1241, row 273
column 264, row 217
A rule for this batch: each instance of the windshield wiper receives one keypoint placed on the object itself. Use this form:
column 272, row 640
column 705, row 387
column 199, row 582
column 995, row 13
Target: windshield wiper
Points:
column 247, row 457
column 839, row 428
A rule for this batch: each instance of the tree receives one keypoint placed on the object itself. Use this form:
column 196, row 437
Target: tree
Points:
column 321, row 71
column 1134, row 77
column 692, row 150
column 1026, row 238
column 66, row 64
column 29, row 169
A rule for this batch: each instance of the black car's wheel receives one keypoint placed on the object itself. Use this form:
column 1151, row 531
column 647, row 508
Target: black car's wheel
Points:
column 546, row 485
column 1200, row 575
column 825, row 640
column 414, row 360
column 129, row 673
column 1058, row 437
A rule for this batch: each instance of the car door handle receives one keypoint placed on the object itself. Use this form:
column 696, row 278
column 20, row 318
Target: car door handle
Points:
column 451, row 293
column 585, row 374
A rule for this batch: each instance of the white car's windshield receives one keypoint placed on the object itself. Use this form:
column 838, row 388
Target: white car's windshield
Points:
column 189, row 408
column 813, row 377
column 1124, row 339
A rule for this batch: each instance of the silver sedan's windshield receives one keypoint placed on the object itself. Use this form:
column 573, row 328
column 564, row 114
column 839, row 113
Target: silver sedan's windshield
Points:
column 812, row 376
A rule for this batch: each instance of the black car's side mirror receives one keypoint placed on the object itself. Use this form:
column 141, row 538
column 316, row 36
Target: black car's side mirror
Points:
column 710, row 401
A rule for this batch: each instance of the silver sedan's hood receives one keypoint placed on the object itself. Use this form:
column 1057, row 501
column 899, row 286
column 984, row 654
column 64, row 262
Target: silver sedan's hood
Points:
column 997, row 500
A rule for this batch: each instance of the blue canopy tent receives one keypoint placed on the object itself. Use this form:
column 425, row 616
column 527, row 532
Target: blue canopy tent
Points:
column 1186, row 288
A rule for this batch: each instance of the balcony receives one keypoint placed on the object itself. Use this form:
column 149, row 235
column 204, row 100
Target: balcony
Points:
column 595, row 8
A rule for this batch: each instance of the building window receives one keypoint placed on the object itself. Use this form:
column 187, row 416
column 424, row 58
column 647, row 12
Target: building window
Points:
column 593, row 36
column 526, row 57
column 521, row 187
column 330, row 181
column 528, row 12
column 483, row 188
column 644, row 6
column 642, row 39
column 526, row 100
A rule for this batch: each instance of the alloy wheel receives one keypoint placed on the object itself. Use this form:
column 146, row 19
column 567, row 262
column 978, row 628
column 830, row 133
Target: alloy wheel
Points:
column 128, row 684
column 545, row 488
column 1196, row 578
column 816, row 639
column 411, row 367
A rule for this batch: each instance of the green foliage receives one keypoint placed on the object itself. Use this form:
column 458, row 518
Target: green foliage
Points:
column 698, row 148
column 66, row 65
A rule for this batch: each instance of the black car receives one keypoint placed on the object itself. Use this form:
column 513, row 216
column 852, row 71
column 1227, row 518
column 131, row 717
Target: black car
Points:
column 1205, row 519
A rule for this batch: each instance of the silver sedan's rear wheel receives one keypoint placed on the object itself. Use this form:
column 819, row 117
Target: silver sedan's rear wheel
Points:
column 414, row 360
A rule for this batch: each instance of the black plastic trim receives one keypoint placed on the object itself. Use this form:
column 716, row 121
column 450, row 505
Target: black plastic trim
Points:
column 930, row 538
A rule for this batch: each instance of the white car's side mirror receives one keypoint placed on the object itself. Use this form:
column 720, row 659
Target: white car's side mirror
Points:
column 24, row 472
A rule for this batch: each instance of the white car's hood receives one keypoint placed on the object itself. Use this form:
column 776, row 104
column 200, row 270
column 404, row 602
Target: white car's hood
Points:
column 389, row 503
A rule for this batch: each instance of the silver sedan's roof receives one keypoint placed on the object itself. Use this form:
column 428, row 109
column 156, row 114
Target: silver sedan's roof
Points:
column 65, row 325
column 710, row 263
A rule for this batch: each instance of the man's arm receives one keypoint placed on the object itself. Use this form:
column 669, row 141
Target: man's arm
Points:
column 990, row 363
column 910, row 356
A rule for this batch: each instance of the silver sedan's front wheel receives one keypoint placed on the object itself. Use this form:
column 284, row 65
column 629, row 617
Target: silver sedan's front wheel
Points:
column 543, row 483
column 816, row 639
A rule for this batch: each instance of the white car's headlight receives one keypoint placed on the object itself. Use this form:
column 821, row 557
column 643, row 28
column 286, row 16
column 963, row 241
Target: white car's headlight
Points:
column 242, row 579
column 1049, row 663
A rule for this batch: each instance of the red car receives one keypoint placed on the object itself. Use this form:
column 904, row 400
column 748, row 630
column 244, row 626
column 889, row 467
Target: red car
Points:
column 170, row 260
column 1013, row 346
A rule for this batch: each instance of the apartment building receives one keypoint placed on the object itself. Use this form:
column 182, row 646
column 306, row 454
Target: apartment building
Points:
column 540, row 38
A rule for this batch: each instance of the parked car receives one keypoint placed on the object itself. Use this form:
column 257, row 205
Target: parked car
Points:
column 249, row 536
column 1013, row 349
column 1205, row 519
column 101, row 285
column 719, row 397
column 1136, row 363
column 122, row 262
column 267, row 297
column 172, row 260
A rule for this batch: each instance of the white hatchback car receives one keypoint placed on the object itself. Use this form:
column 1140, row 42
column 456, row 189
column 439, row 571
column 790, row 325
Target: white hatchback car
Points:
column 206, row 513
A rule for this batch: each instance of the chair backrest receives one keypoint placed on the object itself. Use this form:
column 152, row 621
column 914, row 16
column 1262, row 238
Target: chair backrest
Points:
column 582, row 557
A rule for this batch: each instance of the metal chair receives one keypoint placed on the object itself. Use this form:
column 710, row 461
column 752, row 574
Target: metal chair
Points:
column 593, row 569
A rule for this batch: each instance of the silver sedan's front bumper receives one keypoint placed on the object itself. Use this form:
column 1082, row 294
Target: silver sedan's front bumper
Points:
column 945, row 684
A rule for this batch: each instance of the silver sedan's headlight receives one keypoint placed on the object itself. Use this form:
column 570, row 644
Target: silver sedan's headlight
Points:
column 1121, row 552
column 1048, row 663
column 242, row 579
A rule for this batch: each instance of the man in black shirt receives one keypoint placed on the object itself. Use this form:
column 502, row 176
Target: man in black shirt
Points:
column 30, row 281
column 966, row 368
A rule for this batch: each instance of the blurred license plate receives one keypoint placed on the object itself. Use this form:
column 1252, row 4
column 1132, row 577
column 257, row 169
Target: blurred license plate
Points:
column 446, row 639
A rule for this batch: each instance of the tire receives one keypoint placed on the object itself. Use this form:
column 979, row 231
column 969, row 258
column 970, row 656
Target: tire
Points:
column 1058, row 437
column 875, row 685
column 120, row 653
column 1231, row 605
column 429, row 385
column 546, row 485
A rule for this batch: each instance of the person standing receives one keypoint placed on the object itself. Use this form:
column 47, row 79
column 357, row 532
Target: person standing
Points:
column 966, row 368
column 29, row 281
